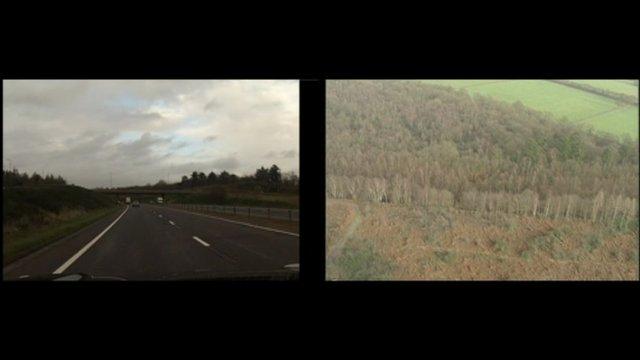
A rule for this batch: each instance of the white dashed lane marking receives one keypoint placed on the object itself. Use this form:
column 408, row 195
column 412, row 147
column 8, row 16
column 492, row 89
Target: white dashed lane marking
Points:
column 200, row 241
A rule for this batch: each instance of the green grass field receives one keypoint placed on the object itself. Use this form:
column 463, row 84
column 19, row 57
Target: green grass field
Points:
column 619, row 122
column 601, row 113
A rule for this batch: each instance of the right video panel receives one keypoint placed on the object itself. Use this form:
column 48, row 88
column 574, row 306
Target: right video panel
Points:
column 482, row 180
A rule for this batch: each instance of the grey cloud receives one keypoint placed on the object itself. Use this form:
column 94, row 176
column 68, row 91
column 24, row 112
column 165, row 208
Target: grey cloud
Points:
column 268, row 106
column 228, row 163
column 88, row 147
column 286, row 154
column 133, row 116
column 179, row 145
column 139, row 151
column 42, row 93
column 76, row 128
column 212, row 105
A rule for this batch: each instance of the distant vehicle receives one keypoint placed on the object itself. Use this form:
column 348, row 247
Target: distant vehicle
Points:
column 136, row 203
column 127, row 200
column 160, row 199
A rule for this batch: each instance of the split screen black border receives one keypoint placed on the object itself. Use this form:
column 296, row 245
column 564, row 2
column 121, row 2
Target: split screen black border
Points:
column 313, row 156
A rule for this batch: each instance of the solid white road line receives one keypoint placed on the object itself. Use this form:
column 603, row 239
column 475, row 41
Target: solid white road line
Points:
column 171, row 222
column 86, row 247
column 200, row 241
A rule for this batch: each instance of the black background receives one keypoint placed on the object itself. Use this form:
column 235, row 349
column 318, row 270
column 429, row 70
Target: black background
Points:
column 116, row 42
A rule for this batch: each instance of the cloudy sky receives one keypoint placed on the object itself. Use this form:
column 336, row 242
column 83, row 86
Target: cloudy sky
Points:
column 143, row 131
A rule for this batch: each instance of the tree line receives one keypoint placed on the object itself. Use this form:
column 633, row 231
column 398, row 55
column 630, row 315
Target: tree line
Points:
column 264, row 179
column 599, row 91
column 412, row 143
column 15, row 178
column 605, row 208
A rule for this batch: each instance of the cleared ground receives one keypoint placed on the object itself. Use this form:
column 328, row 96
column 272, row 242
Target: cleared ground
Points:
column 372, row 241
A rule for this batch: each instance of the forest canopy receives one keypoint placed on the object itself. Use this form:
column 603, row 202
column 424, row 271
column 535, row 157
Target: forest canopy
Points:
column 410, row 142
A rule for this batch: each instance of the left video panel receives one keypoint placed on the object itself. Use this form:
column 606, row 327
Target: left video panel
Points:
column 150, row 180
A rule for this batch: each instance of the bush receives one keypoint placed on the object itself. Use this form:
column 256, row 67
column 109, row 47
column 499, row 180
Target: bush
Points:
column 38, row 202
column 217, row 195
column 526, row 254
column 362, row 263
column 431, row 238
column 547, row 242
column 444, row 256
column 499, row 245
column 592, row 242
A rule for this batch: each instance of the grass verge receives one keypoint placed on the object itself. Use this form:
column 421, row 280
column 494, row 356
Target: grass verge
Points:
column 224, row 197
column 19, row 244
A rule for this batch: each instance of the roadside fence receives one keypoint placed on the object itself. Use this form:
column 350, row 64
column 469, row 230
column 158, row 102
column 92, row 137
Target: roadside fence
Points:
column 263, row 212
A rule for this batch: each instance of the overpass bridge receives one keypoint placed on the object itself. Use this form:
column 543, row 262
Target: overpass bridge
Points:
column 145, row 193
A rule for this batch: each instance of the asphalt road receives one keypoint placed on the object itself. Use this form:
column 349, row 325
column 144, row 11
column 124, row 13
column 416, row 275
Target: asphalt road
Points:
column 157, row 243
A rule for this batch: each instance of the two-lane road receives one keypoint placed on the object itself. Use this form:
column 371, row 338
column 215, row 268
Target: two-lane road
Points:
column 151, row 243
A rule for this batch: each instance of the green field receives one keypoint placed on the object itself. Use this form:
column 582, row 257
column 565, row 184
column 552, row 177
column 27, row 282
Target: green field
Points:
column 619, row 122
column 601, row 113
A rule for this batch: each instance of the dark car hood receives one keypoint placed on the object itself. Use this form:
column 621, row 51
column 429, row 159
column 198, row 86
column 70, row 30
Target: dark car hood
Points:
column 287, row 273
column 71, row 277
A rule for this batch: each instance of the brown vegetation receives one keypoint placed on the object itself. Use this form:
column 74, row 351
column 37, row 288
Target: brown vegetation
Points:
column 404, row 145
